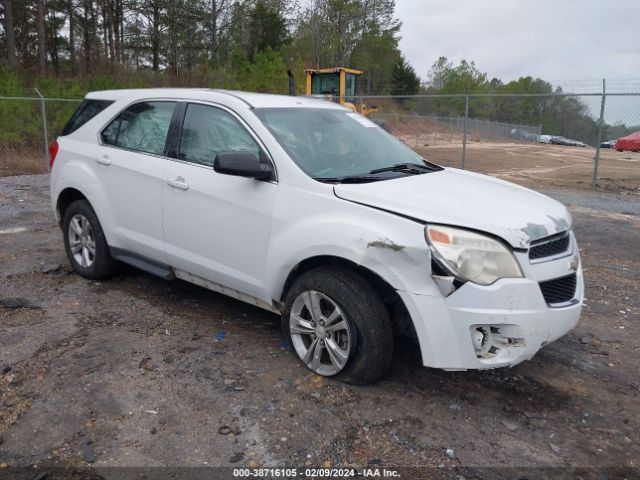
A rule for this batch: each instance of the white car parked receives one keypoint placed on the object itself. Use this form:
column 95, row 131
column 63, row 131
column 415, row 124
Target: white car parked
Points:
column 309, row 210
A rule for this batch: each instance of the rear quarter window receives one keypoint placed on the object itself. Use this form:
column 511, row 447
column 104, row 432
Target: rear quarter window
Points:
column 85, row 112
column 142, row 127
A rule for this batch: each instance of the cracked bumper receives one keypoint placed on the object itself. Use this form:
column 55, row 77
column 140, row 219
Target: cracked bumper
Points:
column 515, row 308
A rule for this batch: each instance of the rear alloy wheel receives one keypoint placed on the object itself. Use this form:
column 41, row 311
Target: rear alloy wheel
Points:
column 320, row 333
column 338, row 325
column 82, row 242
column 85, row 242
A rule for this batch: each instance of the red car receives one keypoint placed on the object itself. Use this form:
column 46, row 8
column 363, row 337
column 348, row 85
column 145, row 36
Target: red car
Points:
column 630, row 142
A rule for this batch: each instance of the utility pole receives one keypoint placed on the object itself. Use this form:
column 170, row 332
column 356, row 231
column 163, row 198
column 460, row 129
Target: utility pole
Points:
column 464, row 126
column 596, row 164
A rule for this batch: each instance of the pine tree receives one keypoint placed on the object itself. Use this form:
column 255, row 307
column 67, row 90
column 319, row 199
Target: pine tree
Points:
column 404, row 80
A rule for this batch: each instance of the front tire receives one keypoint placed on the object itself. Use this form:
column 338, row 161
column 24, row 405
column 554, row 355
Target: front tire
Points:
column 85, row 243
column 338, row 326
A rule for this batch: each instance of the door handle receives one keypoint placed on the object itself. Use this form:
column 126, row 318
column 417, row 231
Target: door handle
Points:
column 179, row 183
column 104, row 160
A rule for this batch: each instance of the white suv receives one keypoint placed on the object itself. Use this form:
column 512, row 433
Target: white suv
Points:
column 309, row 210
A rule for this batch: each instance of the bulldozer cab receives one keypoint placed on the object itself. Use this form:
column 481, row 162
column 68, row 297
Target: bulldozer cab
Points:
column 339, row 83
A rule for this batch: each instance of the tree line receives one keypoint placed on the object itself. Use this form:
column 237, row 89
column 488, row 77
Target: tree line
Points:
column 555, row 112
column 66, row 47
column 245, row 44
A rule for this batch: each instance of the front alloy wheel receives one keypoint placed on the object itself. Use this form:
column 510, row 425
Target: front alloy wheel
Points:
column 320, row 333
column 338, row 325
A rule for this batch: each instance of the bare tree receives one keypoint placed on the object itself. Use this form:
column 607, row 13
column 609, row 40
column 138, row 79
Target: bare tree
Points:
column 53, row 40
column 86, row 33
column 95, row 37
column 42, row 59
column 109, row 4
column 72, row 38
column 10, row 33
column 120, row 23
column 117, row 25
column 217, row 10
column 155, row 37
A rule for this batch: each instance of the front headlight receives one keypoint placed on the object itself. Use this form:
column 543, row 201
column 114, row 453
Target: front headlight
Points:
column 472, row 256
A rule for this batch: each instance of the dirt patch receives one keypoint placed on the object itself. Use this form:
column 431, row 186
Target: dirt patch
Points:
column 137, row 371
column 542, row 166
column 21, row 161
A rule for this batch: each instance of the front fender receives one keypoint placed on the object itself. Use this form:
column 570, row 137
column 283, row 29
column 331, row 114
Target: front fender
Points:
column 391, row 246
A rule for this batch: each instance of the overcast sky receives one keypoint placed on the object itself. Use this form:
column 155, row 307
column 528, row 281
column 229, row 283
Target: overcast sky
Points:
column 572, row 42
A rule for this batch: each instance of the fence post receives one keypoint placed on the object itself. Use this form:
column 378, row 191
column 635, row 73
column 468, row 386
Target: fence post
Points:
column 599, row 140
column 43, row 109
column 464, row 126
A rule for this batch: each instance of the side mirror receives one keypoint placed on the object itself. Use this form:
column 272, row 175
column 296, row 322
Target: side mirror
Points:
column 243, row 164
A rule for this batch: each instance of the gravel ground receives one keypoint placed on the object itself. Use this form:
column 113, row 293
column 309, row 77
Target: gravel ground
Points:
column 137, row 371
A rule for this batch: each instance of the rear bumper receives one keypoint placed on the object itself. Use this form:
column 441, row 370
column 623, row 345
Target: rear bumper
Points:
column 459, row 331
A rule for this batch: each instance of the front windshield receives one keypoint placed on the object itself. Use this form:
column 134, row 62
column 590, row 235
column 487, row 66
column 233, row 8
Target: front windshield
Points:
column 332, row 143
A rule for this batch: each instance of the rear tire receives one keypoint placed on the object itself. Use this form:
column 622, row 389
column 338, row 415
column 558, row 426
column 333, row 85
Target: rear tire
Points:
column 362, row 331
column 85, row 243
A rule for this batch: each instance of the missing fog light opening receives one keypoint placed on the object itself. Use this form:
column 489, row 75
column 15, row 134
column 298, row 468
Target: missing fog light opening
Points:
column 482, row 342
column 479, row 339
column 489, row 340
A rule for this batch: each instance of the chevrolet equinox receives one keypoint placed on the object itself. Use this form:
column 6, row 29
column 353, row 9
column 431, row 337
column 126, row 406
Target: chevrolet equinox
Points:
column 314, row 212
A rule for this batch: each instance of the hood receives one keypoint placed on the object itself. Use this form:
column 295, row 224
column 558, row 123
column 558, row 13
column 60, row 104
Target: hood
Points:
column 465, row 199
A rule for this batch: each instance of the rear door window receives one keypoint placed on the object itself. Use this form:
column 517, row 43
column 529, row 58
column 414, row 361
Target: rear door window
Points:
column 142, row 127
column 85, row 112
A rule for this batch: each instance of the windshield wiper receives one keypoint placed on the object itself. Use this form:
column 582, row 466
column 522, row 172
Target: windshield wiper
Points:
column 348, row 179
column 411, row 168
column 407, row 167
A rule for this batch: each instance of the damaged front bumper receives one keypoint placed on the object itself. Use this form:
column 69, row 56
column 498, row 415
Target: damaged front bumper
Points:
column 503, row 324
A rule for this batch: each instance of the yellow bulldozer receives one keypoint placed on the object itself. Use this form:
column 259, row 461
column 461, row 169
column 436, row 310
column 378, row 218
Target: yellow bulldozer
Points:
column 337, row 84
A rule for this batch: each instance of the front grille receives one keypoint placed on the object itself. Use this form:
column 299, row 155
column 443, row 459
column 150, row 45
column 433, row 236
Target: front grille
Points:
column 549, row 247
column 559, row 290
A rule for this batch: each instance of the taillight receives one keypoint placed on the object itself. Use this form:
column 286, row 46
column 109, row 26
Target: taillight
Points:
column 53, row 151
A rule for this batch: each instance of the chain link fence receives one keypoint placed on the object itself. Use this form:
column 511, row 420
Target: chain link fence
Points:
column 537, row 140
column 434, row 130
column 28, row 125
column 540, row 141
